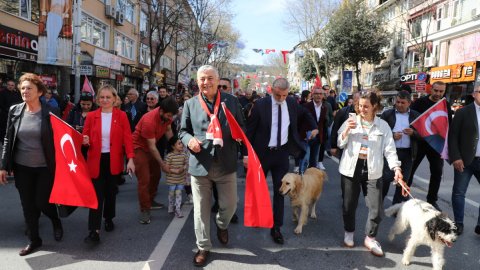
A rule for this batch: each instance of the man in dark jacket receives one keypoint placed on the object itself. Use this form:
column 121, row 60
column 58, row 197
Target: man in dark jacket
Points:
column 8, row 97
column 399, row 119
column 421, row 105
column 464, row 152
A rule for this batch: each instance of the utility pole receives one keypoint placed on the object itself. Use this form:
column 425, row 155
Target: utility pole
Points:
column 77, row 39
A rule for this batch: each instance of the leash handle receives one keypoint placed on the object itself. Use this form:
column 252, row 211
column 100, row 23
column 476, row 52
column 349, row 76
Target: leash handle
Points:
column 405, row 188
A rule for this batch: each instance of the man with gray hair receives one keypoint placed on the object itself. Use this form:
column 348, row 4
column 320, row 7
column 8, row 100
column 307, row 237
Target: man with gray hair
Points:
column 135, row 108
column 272, row 130
column 213, row 158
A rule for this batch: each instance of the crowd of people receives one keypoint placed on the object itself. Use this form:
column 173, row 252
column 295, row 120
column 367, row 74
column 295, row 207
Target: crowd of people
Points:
column 187, row 137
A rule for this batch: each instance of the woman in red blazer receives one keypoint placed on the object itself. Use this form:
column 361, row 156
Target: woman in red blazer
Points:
column 107, row 134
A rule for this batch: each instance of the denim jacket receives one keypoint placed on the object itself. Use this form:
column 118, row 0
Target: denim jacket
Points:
column 380, row 144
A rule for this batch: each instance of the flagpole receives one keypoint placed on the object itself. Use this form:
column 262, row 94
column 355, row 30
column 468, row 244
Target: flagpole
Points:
column 77, row 19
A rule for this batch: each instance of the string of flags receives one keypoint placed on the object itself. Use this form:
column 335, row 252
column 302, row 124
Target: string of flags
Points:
column 241, row 45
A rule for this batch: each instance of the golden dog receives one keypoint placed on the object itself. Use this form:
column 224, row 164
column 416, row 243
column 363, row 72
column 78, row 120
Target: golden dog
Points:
column 304, row 192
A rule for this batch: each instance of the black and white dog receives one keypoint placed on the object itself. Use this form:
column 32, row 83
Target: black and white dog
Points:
column 429, row 227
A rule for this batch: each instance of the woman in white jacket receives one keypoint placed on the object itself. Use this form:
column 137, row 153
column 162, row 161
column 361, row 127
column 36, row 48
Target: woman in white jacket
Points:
column 366, row 140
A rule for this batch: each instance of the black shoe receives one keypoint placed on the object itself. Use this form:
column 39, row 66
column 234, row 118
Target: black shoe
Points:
column 434, row 204
column 92, row 238
column 30, row 248
column 477, row 229
column 109, row 226
column 276, row 235
column 57, row 230
column 459, row 228
column 234, row 219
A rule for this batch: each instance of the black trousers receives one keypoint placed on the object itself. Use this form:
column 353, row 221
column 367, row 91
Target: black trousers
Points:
column 276, row 162
column 106, row 188
column 436, row 169
column 34, row 186
column 372, row 191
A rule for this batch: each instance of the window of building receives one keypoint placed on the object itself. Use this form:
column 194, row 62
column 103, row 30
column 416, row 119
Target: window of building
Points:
column 124, row 46
column 416, row 27
column 144, row 54
column 143, row 21
column 128, row 9
column 26, row 9
column 94, row 31
column 166, row 62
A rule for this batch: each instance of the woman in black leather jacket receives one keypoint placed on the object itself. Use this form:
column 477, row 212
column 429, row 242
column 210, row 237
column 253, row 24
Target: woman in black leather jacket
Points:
column 29, row 152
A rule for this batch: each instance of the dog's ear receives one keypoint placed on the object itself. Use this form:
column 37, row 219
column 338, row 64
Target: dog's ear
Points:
column 432, row 227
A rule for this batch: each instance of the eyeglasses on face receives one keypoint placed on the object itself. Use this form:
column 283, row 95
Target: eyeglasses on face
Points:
column 150, row 98
column 86, row 94
column 224, row 87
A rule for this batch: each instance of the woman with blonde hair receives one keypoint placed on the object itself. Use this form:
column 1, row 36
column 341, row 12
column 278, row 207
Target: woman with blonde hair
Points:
column 29, row 153
column 107, row 135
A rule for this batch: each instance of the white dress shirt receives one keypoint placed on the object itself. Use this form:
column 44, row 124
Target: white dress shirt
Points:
column 318, row 110
column 285, row 123
column 402, row 123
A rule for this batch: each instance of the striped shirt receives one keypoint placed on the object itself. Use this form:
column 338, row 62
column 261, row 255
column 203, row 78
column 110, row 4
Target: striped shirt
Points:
column 176, row 161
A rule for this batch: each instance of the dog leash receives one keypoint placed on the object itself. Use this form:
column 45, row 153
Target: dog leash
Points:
column 406, row 191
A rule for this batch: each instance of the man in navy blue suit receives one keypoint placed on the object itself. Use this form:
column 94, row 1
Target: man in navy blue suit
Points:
column 272, row 130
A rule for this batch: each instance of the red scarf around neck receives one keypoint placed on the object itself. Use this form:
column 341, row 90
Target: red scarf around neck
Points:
column 214, row 130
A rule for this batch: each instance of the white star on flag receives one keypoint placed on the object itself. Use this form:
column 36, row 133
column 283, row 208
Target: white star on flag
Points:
column 72, row 166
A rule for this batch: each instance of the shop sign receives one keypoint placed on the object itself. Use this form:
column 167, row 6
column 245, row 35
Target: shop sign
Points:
column 454, row 73
column 410, row 77
column 49, row 80
column 380, row 76
column 86, row 70
column 103, row 58
column 102, row 72
column 136, row 72
column 17, row 44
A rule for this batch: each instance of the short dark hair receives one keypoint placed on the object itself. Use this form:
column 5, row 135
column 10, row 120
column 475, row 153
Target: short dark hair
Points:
column 169, row 105
column 404, row 94
column 226, row 79
column 171, row 142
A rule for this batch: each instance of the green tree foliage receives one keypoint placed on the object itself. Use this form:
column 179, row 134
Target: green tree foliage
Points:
column 307, row 67
column 355, row 35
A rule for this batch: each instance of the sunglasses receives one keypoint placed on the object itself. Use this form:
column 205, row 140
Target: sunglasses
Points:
column 86, row 94
column 224, row 87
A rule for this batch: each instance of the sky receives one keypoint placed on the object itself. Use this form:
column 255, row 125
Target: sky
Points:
column 261, row 26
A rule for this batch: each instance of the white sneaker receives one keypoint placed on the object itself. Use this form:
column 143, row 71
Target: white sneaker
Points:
column 296, row 170
column 320, row 166
column 348, row 239
column 374, row 246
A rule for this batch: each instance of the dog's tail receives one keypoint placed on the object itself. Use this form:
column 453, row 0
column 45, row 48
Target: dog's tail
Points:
column 393, row 210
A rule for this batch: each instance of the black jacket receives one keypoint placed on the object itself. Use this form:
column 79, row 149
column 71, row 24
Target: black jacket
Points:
column 463, row 135
column 391, row 119
column 14, row 119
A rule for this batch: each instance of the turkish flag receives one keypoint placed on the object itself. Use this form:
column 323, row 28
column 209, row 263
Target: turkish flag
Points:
column 318, row 82
column 73, row 185
column 258, row 208
column 432, row 126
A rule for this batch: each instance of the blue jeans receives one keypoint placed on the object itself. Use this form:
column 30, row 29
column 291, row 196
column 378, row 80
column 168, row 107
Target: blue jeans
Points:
column 303, row 165
column 460, row 185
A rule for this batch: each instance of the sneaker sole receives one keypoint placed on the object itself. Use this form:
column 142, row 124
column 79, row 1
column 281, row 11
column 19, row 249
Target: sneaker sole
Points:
column 347, row 245
column 144, row 222
column 374, row 253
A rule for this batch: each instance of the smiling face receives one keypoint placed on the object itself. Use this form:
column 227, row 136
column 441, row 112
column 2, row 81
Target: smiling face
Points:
column 208, row 82
column 366, row 109
column 106, row 99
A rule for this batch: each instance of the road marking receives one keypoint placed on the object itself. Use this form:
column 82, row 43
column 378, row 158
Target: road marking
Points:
column 164, row 246
column 426, row 181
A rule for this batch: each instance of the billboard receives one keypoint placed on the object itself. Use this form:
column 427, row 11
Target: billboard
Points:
column 55, row 32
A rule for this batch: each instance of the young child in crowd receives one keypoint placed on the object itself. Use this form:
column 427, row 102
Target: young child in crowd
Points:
column 177, row 160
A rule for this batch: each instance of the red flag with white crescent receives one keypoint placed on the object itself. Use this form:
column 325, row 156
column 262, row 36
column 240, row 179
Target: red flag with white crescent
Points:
column 73, row 185
column 258, row 208
column 432, row 126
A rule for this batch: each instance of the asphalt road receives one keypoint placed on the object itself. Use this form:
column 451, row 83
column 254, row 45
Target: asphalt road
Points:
column 169, row 243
